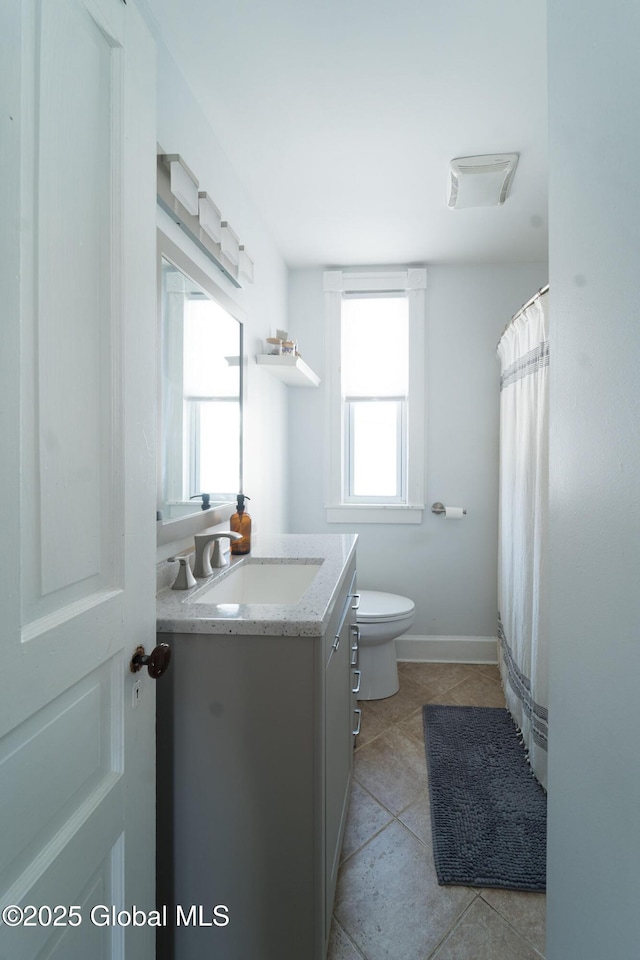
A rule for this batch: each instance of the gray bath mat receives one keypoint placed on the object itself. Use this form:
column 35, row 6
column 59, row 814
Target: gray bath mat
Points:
column 488, row 812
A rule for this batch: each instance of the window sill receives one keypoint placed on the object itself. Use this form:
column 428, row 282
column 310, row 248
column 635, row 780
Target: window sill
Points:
column 370, row 513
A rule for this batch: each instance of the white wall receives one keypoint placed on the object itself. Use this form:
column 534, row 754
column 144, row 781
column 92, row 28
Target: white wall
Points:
column 183, row 129
column 594, row 550
column 449, row 568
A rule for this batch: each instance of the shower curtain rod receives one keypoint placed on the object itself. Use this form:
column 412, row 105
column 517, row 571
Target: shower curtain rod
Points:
column 519, row 313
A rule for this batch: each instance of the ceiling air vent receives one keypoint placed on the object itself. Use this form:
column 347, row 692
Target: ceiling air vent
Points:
column 481, row 181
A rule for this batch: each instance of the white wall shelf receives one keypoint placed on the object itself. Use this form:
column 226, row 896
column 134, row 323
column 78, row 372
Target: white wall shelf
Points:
column 291, row 370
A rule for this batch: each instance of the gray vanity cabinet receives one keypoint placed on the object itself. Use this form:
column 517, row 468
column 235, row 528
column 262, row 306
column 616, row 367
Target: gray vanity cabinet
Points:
column 338, row 748
column 254, row 766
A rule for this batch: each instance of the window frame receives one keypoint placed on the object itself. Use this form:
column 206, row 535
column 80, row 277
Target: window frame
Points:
column 339, row 506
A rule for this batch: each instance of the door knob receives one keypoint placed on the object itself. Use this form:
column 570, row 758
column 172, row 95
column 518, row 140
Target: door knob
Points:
column 157, row 662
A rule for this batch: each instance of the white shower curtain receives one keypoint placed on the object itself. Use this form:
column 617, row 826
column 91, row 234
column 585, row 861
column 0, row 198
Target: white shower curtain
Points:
column 522, row 627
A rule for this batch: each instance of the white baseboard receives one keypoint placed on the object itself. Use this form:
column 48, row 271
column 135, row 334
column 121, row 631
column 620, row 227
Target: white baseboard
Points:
column 447, row 649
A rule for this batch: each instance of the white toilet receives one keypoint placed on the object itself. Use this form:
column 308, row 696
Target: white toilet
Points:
column 381, row 618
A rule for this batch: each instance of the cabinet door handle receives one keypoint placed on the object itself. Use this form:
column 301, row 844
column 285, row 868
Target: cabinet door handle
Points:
column 358, row 674
column 356, row 597
column 354, row 655
column 336, row 642
column 358, row 712
column 355, row 628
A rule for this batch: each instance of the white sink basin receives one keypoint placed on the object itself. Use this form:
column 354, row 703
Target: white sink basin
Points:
column 281, row 583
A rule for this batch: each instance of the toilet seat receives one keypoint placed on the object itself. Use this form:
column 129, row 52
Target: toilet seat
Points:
column 378, row 607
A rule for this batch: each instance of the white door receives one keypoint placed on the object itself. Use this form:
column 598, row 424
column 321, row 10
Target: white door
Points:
column 77, row 476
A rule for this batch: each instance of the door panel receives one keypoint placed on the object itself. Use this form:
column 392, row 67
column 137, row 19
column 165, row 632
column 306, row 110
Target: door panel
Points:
column 82, row 717
column 73, row 329
column 77, row 395
column 76, row 325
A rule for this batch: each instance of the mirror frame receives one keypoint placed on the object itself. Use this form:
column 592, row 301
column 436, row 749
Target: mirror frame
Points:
column 178, row 528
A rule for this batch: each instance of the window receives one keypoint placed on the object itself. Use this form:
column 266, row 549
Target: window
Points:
column 374, row 384
column 375, row 419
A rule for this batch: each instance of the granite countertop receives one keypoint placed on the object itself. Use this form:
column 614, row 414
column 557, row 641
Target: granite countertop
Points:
column 178, row 611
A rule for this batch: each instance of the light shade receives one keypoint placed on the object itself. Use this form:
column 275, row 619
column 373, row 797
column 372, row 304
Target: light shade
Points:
column 480, row 181
column 245, row 265
column 209, row 217
column 230, row 243
column 184, row 185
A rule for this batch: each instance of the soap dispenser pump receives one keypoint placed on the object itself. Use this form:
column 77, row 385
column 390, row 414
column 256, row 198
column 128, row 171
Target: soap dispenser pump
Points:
column 240, row 523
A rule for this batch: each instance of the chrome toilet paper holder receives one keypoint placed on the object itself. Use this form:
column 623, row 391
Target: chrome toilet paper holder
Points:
column 438, row 507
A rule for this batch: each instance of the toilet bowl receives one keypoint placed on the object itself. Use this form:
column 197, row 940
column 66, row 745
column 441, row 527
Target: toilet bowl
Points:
column 381, row 618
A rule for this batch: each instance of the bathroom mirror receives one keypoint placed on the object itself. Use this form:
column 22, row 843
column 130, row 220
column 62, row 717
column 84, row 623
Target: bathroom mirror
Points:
column 200, row 401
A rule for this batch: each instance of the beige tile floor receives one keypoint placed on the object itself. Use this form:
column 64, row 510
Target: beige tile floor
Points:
column 388, row 903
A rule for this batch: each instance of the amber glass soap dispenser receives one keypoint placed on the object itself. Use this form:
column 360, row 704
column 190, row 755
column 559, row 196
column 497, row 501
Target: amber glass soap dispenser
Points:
column 241, row 523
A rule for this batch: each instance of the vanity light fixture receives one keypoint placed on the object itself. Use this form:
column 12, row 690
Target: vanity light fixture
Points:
column 198, row 216
column 480, row 181
column 209, row 217
column 184, row 185
column 245, row 265
column 230, row 243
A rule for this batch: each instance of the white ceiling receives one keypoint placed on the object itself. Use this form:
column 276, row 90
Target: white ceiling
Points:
column 340, row 118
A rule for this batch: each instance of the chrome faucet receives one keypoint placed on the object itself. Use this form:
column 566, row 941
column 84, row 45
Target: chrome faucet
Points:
column 204, row 561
